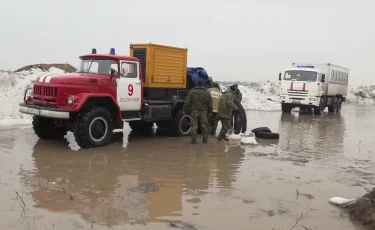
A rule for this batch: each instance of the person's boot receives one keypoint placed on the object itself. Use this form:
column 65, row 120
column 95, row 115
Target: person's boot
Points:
column 222, row 136
column 193, row 139
column 205, row 138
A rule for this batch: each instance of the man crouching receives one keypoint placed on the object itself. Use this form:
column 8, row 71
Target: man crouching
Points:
column 198, row 104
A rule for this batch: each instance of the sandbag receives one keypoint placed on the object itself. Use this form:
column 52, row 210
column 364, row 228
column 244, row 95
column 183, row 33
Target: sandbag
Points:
column 241, row 125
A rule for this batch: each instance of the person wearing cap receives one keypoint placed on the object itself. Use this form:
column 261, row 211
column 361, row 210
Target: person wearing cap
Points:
column 226, row 109
column 213, row 120
column 198, row 104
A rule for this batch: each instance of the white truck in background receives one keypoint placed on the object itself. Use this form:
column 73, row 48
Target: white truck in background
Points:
column 313, row 86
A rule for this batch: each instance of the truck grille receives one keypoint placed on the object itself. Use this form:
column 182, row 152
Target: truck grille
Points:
column 47, row 92
column 140, row 53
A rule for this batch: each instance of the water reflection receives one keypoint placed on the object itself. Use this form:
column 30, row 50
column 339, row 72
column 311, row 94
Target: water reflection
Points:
column 304, row 137
column 145, row 182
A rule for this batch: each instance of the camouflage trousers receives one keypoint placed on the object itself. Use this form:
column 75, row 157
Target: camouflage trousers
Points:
column 199, row 117
column 226, row 125
column 213, row 120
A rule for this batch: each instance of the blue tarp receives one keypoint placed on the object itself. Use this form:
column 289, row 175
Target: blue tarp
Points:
column 198, row 73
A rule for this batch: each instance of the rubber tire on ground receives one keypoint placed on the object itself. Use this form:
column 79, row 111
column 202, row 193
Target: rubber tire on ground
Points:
column 267, row 135
column 45, row 128
column 242, row 122
column 176, row 129
column 319, row 109
column 261, row 129
column 333, row 108
column 285, row 108
column 141, row 127
column 82, row 125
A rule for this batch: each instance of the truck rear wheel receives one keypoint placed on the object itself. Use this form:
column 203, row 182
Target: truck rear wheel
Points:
column 333, row 107
column 339, row 103
column 93, row 128
column 319, row 109
column 181, row 125
column 45, row 128
column 286, row 108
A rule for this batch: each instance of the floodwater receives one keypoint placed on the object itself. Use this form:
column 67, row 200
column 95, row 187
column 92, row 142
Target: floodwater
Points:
column 143, row 182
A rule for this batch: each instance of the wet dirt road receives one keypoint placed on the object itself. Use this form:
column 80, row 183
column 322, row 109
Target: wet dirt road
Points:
column 149, row 180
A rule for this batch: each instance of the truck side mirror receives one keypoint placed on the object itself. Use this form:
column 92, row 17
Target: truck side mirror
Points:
column 323, row 78
column 279, row 76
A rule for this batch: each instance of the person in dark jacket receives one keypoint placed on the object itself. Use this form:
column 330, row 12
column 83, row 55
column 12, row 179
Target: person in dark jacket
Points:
column 226, row 109
column 238, row 96
column 198, row 104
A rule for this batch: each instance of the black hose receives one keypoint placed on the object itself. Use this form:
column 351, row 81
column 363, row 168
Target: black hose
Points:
column 241, row 125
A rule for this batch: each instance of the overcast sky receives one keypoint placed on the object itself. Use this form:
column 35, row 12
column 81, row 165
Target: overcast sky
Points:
column 232, row 39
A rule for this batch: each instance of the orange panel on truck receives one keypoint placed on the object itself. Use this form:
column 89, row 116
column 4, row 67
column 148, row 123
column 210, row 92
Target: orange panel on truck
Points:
column 162, row 66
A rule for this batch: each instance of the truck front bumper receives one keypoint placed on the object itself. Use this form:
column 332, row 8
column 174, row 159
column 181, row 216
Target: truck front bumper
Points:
column 300, row 101
column 43, row 111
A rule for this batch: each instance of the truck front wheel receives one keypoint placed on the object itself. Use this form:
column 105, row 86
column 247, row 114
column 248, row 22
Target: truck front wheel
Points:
column 286, row 108
column 45, row 128
column 319, row 109
column 93, row 128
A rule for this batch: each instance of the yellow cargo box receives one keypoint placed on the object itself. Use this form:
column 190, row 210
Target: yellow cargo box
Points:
column 162, row 66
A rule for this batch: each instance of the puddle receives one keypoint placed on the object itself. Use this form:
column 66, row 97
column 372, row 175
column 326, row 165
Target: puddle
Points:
column 161, row 182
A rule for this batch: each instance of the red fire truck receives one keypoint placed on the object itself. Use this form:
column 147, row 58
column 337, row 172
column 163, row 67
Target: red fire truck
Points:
column 148, row 86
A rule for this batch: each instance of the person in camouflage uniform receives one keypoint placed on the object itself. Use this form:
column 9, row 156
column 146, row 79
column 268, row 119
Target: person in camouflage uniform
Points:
column 215, row 95
column 198, row 104
column 226, row 108
column 238, row 96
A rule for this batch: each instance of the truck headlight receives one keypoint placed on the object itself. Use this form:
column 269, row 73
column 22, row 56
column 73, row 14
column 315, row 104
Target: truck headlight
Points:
column 312, row 99
column 70, row 100
column 282, row 97
column 29, row 94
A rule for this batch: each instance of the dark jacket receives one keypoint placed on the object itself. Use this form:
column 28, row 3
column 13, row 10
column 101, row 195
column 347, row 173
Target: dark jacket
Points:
column 238, row 95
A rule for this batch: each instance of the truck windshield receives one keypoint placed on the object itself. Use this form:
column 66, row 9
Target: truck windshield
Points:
column 99, row 66
column 298, row 75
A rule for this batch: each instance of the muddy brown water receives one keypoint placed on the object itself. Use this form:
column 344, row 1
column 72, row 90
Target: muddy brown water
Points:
column 141, row 182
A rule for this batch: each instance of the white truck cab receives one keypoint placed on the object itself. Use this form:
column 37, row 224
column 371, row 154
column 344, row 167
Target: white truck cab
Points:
column 313, row 86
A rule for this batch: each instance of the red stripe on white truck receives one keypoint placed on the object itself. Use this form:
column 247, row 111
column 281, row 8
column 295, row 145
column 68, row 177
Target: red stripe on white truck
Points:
column 304, row 87
column 291, row 86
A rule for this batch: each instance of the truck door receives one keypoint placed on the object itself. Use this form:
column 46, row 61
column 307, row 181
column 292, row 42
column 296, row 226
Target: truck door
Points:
column 129, row 87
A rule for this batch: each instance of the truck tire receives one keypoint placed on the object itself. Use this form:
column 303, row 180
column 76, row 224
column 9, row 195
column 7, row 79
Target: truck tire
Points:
column 181, row 125
column 94, row 128
column 241, row 125
column 267, row 135
column 333, row 107
column 45, row 128
column 286, row 108
column 319, row 109
column 261, row 129
column 339, row 104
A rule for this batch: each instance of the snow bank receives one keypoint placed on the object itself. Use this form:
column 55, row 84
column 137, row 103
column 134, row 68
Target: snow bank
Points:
column 12, row 88
column 261, row 95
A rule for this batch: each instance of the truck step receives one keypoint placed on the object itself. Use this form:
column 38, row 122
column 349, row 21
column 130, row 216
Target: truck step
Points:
column 131, row 115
